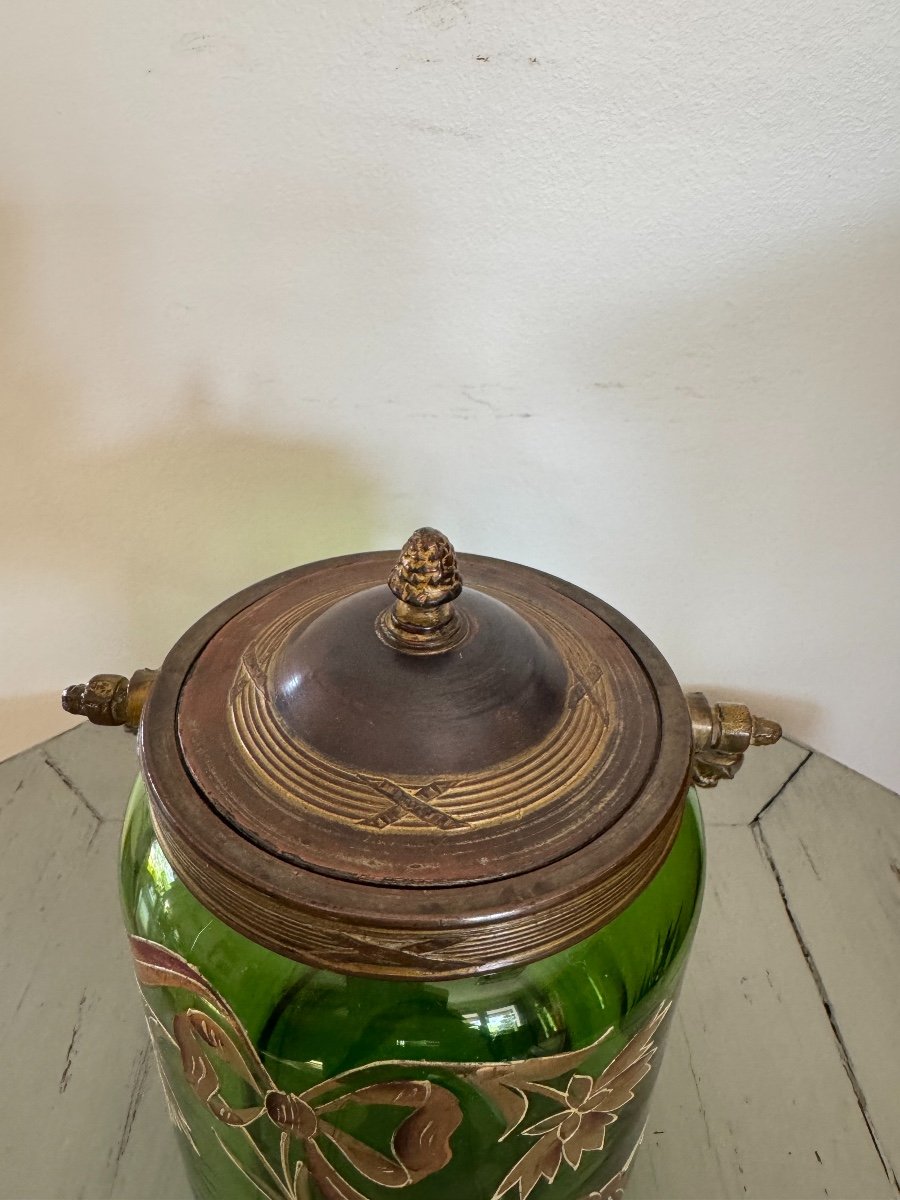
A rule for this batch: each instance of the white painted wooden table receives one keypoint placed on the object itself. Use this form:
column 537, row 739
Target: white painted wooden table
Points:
column 782, row 1075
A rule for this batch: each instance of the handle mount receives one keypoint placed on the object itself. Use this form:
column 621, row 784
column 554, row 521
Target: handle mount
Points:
column 110, row 699
column 722, row 733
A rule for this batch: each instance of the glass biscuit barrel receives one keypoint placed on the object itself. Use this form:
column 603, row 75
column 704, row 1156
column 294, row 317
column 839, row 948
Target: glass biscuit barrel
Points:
column 410, row 874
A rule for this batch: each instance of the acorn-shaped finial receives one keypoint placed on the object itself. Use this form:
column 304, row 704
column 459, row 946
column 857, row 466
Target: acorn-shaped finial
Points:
column 426, row 581
column 426, row 574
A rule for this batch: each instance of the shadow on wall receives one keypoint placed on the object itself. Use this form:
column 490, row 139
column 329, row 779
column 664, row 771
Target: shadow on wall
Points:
column 763, row 408
column 124, row 546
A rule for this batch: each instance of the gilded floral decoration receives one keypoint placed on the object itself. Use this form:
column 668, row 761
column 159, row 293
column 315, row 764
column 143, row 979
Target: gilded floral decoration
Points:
column 315, row 1155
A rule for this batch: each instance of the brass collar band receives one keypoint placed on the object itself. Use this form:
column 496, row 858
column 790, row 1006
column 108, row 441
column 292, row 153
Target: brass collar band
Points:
column 455, row 939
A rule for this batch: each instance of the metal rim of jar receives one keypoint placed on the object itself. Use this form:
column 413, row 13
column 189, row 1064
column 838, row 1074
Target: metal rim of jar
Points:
column 436, row 933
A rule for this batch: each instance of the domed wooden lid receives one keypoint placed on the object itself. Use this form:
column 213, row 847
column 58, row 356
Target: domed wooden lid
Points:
column 415, row 766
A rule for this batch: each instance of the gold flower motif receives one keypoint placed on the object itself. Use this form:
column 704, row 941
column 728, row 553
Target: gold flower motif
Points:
column 588, row 1106
column 581, row 1125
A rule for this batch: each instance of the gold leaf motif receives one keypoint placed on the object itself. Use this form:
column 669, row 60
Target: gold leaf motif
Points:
column 329, row 1181
column 193, row 1031
column 614, row 1189
column 291, row 1114
column 157, row 966
column 505, row 1084
column 388, row 1172
column 422, row 1142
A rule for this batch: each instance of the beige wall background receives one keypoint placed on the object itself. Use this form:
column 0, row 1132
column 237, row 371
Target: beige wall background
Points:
column 613, row 290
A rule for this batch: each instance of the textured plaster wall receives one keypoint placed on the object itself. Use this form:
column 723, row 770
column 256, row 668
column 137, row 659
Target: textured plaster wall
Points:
column 613, row 290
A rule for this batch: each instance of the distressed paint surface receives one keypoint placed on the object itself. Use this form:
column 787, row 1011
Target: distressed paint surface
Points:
column 761, row 1093
column 753, row 1087
column 834, row 840
column 756, row 783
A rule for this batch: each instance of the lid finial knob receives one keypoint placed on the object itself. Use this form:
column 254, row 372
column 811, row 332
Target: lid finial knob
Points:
column 426, row 581
column 426, row 573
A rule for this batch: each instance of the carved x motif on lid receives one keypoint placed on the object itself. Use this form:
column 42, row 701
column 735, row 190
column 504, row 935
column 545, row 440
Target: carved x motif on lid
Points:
column 585, row 683
column 415, row 803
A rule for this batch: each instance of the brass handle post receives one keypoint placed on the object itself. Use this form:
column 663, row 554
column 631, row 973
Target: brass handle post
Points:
column 722, row 733
column 110, row 699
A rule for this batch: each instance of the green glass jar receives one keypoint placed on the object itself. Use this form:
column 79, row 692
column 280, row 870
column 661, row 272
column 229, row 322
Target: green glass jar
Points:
column 410, row 881
column 277, row 1028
